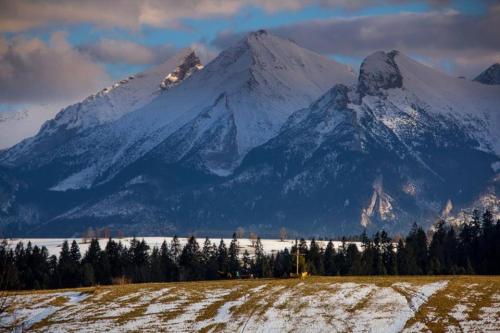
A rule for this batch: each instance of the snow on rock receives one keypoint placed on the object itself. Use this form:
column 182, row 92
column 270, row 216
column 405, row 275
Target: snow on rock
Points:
column 379, row 71
column 380, row 204
column 190, row 65
column 54, row 245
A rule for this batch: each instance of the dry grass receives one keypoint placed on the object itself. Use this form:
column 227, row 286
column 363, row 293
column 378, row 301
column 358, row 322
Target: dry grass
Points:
column 436, row 313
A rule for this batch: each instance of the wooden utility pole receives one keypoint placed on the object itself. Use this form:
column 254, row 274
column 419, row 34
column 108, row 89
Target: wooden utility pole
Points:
column 297, row 251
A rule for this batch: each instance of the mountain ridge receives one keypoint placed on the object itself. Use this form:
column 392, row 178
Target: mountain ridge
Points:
column 490, row 75
column 239, row 143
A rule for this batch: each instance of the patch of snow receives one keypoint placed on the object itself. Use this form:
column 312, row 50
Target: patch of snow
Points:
column 54, row 245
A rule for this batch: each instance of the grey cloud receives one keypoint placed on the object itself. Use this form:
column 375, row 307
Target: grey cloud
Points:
column 21, row 15
column 112, row 51
column 468, row 41
column 123, row 51
column 33, row 71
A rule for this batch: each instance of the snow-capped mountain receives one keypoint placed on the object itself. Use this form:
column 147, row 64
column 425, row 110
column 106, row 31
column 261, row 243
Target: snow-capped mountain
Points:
column 21, row 124
column 267, row 135
column 213, row 118
column 106, row 106
column 490, row 75
column 400, row 146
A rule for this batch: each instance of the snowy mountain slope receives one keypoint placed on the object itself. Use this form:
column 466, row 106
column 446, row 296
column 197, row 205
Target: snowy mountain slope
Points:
column 395, row 148
column 470, row 104
column 246, row 142
column 399, row 146
column 490, row 75
column 106, row 106
column 125, row 96
column 235, row 103
column 403, row 143
column 21, row 124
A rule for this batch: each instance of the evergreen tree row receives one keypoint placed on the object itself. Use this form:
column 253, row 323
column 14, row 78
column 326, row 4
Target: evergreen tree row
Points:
column 474, row 248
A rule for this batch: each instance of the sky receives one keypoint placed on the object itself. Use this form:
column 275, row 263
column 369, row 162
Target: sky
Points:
column 56, row 52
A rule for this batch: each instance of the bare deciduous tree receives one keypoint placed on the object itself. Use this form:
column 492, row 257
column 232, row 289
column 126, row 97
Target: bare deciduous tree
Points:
column 120, row 234
column 88, row 235
column 283, row 234
column 105, row 233
column 253, row 238
column 240, row 232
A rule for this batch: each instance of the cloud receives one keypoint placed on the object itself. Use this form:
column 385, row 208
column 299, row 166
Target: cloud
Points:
column 21, row 15
column 466, row 42
column 34, row 71
column 205, row 52
column 123, row 51
column 112, row 51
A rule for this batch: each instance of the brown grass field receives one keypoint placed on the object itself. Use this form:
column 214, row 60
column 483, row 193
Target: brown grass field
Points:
column 314, row 304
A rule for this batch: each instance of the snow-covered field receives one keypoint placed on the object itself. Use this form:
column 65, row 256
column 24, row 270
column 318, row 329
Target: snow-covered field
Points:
column 53, row 245
column 317, row 304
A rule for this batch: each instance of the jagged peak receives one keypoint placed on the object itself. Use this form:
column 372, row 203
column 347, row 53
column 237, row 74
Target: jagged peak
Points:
column 258, row 33
column 337, row 97
column 379, row 71
column 256, row 38
column 490, row 75
column 190, row 64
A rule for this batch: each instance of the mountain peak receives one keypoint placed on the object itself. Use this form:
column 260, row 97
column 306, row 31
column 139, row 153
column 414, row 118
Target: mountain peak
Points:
column 379, row 71
column 490, row 76
column 258, row 33
column 189, row 65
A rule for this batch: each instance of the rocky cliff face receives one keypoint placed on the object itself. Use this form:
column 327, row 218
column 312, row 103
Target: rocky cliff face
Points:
column 190, row 65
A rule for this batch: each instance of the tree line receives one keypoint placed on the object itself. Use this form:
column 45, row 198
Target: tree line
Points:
column 472, row 248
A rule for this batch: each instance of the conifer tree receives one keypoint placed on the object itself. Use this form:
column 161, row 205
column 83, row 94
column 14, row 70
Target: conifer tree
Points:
column 416, row 246
column 156, row 269
column 115, row 254
column 190, row 261
column 175, row 248
column 437, row 250
column 368, row 257
column 247, row 263
column 313, row 258
column 402, row 258
column 209, row 260
column 68, row 268
column 353, row 260
column 222, row 259
column 139, row 256
column 487, row 244
column 340, row 258
column 64, row 269
column 168, row 263
column 329, row 259
column 233, row 257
